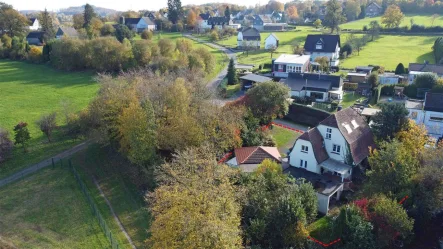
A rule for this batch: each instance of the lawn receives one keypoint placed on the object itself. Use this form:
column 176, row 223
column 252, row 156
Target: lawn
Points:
column 29, row 91
column 116, row 179
column 284, row 138
column 48, row 210
column 389, row 50
column 321, row 230
column 425, row 20
column 349, row 99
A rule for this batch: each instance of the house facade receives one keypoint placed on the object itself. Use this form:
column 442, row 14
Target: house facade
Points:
column 249, row 37
column 203, row 24
column 35, row 38
column 35, row 25
column 323, row 46
column 219, row 22
column 320, row 87
column 138, row 24
column 390, row 78
column 271, row 42
column 260, row 21
column 289, row 63
column 428, row 112
column 373, row 9
column 331, row 151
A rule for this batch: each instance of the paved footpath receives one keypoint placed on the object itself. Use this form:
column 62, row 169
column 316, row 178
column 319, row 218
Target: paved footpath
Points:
column 33, row 168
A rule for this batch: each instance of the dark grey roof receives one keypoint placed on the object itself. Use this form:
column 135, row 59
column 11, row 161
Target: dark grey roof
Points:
column 313, row 81
column 35, row 34
column 216, row 20
column 323, row 183
column 251, row 34
column 205, row 16
column 434, row 102
column 129, row 21
column 329, row 43
column 264, row 18
column 374, row 3
column 32, row 20
column 355, row 130
column 67, row 31
column 366, row 69
column 148, row 21
column 434, row 68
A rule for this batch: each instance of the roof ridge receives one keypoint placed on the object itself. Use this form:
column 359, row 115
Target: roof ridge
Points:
column 256, row 147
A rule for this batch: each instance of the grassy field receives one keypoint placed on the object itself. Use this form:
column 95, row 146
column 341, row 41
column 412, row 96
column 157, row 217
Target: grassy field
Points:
column 321, row 230
column 390, row 50
column 116, row 179
column 29, row 91
column 48, row 210
column 425, row 20
column 284, row 138
column 349, row 99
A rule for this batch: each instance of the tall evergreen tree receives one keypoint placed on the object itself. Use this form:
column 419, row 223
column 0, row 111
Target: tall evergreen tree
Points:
column 232, row 74
column 45, row 20
column 400, row 69
column 175, row 10
column 88, row 14
column 228, row 12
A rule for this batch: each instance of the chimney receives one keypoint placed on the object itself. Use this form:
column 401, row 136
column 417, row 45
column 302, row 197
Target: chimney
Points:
column 122, row 20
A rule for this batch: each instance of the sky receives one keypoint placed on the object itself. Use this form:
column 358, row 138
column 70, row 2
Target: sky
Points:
column 53, row 5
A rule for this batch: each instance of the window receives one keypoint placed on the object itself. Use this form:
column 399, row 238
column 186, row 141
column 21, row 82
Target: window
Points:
column 290, row 69
column 280, row 67
column 303, row 163
column 328, row 133
column 304, row 149
column 336, row 149
column 298, row 69
column 317, row 95
column 436, row 119
column 318, row 46
column 414, row 115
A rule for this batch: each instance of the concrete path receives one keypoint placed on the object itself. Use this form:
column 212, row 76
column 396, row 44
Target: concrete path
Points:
column 120, row 225
column 33, row 168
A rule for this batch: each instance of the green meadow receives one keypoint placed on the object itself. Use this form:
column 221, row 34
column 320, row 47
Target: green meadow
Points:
column 425, row 20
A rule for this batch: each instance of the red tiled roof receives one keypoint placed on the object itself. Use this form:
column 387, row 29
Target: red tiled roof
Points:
column 314, row 136
column 256, row 154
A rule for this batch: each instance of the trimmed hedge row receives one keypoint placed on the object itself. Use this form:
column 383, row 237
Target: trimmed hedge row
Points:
column 306, row 115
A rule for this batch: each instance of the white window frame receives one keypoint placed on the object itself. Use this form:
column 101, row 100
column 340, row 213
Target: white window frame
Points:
column 280, row 66
column 303, row 162
column 318, row 46
column 298, row 69
column 336, row 149
column 328, row 133
column 435, row 119
column 304, row 148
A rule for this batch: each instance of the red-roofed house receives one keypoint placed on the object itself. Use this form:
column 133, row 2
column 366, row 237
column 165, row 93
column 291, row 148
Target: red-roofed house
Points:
column 248, row 158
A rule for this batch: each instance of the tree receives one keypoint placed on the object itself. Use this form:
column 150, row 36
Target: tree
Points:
column 142, row 52
column 214, row 35
column 12, row 22
column 6, row 145
column 317, row 23
column 324, row 63
column 47, row 26
column 196, row 204
column 47, row 124
column 352, row 10
column 175, row 11
column 426, row 80
column 137, row 130
column 122, row 32
column 274, row 5
column 268, row 101
column 88, row 14
column 390, row 220
column 252, row 134
column 392, row 17
column 373, row 80
column 35, row 55
column 433, row 17
column 334, row 15
column 353, row 230
column 166, row 46
column 191, row 19
column 391, row 119
column 78, row 21
column 232, row 73
column 374, row 29
column 109, row 30
column 184, row 46
column 400, row 69
column 414, row 138
column 362, row 11
column 227, row 12
column 277, row 208
column 292, row 13
column 94, row 28
column 393, row 167
column 22, row 134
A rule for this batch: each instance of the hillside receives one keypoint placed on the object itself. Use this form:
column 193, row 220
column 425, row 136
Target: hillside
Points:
column 79, row 9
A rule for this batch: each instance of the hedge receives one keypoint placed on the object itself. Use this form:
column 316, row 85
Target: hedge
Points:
column 306, row 115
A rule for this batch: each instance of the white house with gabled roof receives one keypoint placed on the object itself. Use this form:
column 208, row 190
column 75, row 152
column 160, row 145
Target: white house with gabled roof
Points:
column 271, row 42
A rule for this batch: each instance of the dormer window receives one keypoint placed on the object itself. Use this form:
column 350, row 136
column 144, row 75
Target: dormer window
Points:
column 319, row 44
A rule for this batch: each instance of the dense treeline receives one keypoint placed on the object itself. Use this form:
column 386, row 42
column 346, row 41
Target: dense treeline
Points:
column 438, row 50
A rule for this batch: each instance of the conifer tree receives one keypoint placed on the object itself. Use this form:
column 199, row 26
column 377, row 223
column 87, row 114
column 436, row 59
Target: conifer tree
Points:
column 232, row 74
